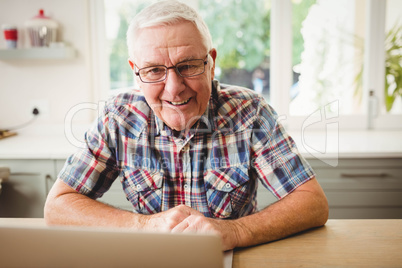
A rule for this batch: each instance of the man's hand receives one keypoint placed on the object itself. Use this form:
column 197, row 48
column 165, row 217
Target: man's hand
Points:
column 167, row 220
column 183, row 219
column 227, row 229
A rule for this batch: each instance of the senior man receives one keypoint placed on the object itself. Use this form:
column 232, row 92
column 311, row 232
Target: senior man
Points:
column 188, row 151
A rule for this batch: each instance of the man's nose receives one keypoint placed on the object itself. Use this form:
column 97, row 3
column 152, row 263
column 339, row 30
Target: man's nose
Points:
column 174, row 82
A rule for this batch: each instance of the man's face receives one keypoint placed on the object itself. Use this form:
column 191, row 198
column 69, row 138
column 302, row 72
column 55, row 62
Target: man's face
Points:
column 177, row 101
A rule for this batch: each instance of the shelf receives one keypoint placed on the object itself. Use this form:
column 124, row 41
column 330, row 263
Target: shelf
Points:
column 38, row 53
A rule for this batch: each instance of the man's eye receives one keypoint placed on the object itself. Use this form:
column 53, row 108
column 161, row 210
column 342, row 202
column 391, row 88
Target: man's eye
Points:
column 187, row 67
column 155, row 70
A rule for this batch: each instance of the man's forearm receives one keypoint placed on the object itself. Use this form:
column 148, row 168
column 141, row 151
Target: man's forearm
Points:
column 66, row 207
column 305, row 208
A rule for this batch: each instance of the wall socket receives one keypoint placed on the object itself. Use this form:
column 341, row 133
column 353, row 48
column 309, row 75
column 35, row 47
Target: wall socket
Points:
column 43, row 107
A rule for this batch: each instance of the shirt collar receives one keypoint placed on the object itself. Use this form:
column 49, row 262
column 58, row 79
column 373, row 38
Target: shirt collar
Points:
column 159, row 125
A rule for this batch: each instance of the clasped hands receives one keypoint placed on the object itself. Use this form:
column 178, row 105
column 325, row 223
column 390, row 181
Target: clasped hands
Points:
column 183, row 219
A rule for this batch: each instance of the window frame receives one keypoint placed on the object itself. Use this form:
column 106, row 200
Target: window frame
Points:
column 373, row 74
column 98, row 59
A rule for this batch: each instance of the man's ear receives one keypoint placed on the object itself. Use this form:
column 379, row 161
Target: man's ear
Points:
column 131, row 64
column 213, row 53
column 132, row 68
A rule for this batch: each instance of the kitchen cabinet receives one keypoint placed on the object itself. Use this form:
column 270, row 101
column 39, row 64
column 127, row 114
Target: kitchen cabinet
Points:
column 358, row 188
column 362, row 188
column 24, row 193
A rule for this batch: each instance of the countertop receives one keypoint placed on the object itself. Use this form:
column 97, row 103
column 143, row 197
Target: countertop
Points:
column 42, row 142
column 58, row 142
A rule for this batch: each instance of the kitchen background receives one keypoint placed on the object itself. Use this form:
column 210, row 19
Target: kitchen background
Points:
column 359, row 169
column 56, row 85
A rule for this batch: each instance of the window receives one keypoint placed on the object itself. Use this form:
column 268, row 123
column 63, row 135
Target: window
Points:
column 302, row 55
column 331, row 58
column 118, row 14
column 332, row 61
column 240, row 33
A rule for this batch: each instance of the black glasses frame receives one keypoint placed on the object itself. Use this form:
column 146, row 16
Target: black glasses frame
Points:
column 137, row 72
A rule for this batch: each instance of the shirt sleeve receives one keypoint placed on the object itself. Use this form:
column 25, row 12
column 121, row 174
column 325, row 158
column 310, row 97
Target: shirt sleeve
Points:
column 92, row 169
column 276, row 160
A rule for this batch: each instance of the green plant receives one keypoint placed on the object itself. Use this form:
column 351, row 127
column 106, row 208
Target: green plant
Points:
column 393, row 66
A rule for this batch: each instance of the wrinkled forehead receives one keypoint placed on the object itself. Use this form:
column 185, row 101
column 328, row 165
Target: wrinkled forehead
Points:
column 174, row 42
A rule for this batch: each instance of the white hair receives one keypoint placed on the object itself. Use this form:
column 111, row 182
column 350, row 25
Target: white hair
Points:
column 165, row 13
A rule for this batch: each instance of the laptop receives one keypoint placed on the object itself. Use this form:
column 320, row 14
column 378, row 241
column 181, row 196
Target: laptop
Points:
column 22, row 246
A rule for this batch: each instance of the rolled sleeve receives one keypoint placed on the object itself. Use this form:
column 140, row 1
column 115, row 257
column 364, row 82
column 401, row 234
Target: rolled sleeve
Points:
column 277, row 161
column 92, row 170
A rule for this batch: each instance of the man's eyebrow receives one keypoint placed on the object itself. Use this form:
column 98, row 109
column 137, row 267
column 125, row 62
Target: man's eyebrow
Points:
column 187, row 58
column 151, row 63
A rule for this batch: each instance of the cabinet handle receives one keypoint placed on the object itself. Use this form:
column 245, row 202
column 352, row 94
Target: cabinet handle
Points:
column 48, row 183
column 364, row 175
column 24, row 174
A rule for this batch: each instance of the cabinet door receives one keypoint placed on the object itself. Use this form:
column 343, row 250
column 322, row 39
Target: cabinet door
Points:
column 58, row 165
column 24, row 193
column 116, row 197
column 264, row 197
column 362, row 188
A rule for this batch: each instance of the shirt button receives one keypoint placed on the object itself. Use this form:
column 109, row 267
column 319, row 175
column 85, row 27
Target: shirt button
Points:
column 186, row 186
column 139, row 188
column 228, row 185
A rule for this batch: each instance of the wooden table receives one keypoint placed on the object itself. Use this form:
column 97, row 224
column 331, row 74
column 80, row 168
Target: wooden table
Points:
column 340, row 243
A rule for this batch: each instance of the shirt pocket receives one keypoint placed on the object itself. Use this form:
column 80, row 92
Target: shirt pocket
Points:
column 227, row 191
column 143, row 189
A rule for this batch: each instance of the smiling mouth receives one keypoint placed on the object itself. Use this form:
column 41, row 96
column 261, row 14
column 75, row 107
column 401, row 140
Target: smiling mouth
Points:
column 179, row 102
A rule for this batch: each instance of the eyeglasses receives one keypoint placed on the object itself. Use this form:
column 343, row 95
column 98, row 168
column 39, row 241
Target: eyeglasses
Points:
column 158, row 73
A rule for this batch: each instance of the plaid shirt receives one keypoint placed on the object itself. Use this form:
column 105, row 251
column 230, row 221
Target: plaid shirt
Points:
column 213, row 169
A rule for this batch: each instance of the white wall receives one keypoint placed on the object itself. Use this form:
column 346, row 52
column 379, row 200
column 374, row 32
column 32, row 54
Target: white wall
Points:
column 61, row 83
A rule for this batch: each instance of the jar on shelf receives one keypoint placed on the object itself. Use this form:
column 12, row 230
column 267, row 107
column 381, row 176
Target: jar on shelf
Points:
column 42, row 30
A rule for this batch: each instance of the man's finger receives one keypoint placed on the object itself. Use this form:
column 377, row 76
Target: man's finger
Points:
column 182, row 226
